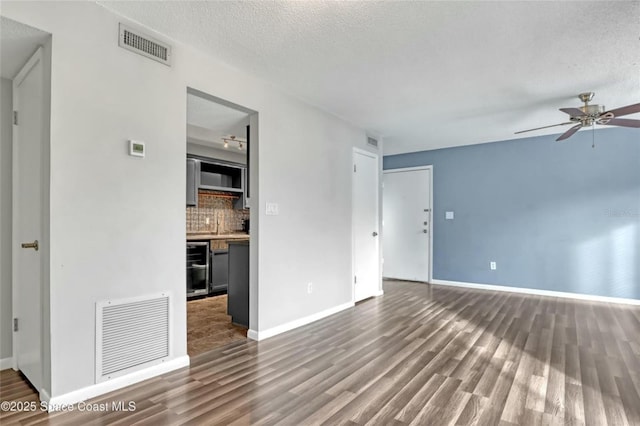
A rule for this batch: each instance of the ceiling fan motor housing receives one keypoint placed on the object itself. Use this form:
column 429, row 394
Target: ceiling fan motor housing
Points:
column 593, row 110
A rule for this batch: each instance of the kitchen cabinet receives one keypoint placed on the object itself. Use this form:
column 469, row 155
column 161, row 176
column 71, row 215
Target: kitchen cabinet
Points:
column 219, row 270
column 192, row 182
column 238, row 288
column 241, row 202
column 216, row 175
column 219, row 177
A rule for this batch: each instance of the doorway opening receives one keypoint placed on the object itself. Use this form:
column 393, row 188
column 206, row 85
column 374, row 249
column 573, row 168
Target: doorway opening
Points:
column 220, row 135
column 24, row 201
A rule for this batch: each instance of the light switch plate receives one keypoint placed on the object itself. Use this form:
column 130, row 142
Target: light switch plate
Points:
column 272, row 209
column 448, row 215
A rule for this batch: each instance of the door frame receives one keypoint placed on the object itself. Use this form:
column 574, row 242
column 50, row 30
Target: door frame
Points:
column 37, row 56
column 251, row 176
column 431, row 208
column 375, row 156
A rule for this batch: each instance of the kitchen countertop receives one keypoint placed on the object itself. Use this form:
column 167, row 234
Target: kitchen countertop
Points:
column 205, row 236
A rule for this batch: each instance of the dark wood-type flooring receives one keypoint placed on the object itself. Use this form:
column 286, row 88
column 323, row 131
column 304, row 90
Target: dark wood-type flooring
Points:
column 418, row 355
column 209, row 326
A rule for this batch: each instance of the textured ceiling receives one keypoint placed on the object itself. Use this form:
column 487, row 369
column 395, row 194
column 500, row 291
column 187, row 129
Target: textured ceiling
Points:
column 17, row 44
column 422, row 74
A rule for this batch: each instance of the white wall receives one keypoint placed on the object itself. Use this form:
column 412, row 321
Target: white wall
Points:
column 117, row 223
column 6, row 90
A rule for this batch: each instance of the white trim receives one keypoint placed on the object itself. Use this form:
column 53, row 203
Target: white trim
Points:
column 409, row 169
column 6, row 363
column 537, row 292
column 265, row 334
column 365, row 152
column 44, row 396
column 431, row 207
column 117, row 383
column 26, row 68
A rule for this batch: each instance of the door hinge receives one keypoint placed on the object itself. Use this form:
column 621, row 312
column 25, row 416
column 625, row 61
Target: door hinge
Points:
column 354, row 168
column 15, row 324
column 15, row 118
column 355, row 279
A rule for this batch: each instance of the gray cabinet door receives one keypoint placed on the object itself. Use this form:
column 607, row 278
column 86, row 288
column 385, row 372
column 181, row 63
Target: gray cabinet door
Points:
column 238, row 291
column 192, row 184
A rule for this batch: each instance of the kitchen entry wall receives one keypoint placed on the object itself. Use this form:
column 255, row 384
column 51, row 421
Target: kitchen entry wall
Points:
column 218, row 209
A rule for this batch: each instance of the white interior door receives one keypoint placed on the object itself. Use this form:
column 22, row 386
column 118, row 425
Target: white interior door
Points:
column 366, row 248
column 406, row 216
column 28, row 101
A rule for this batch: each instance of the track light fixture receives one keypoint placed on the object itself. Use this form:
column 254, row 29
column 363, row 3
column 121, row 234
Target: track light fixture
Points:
column 233, row 139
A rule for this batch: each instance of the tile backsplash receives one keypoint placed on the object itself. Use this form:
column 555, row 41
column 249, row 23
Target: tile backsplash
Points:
column 218, row 208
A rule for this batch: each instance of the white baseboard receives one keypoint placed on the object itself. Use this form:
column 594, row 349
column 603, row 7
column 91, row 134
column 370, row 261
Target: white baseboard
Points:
column 252, row 334
column 115, row 384
column 265, row 334
column 44, row 396
column 6, row 363
column 537, row 292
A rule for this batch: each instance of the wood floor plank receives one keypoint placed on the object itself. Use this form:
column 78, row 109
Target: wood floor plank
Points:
column 420, row 354
column 470, row 414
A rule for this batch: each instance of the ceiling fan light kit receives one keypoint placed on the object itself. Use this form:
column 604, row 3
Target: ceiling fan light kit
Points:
column 592, row 114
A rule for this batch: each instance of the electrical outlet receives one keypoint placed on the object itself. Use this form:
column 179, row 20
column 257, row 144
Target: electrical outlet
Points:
column 310, row 288
column 493, row 266
column 206, row 220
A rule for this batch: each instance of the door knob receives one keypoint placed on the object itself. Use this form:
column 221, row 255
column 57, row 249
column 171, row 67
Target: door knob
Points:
column 33, row 245
column 375, row 234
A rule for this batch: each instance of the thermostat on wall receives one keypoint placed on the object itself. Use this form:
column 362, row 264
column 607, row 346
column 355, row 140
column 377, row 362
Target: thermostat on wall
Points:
column 136, row 148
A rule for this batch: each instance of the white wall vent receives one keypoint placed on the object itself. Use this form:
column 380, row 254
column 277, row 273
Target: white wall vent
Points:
column 372, row 142
column 131, row 334
column 136, row 41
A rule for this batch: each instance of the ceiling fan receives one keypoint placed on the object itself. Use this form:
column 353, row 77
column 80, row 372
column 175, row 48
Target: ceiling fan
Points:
column 589, row 115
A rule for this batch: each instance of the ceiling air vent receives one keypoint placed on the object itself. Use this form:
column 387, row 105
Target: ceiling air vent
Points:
column 372, row 142
column 138, row 42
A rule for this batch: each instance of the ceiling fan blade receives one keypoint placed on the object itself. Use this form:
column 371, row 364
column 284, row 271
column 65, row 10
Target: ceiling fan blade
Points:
column 626, row 110
column 544, row 127
column 623, row 122
column 573, row 112
column 569, row 132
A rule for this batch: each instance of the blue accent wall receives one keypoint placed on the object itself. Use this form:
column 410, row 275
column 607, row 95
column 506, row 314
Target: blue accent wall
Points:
column 554, row 216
